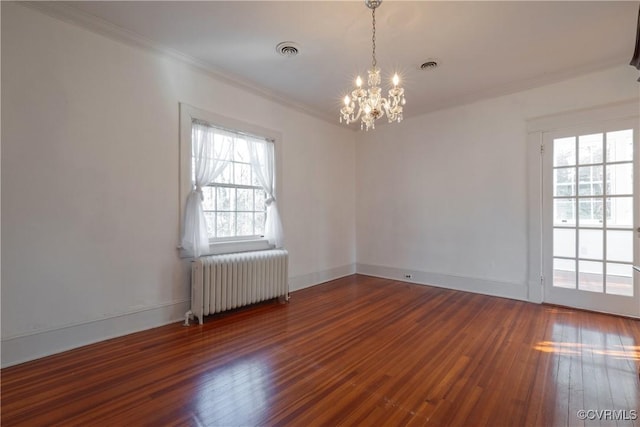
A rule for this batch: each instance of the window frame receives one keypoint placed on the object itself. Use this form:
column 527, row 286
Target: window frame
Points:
column 187, row 115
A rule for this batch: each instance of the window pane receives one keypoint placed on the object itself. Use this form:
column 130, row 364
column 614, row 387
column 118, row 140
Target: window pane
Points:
column 210, row 219
column 245, row 224
column 619, row 279
column 564, row 273
column 260, row 217
column 243, row 174
column 226, row 175
column 620, row 212
column 590, row 149
column 564, row 212
column 590, row 276
column 620, row 245
column 564, row 182
column 564, row 242
column 590, row 212
column 620, row 179
column 226, row 200
column 226, row 224
column 221, row 145
column 564, row 151
column 209, row 199
column 260, row 198
column 590, row 244
column 241, row 154
column 590, row 180
column 620, row 146
column 245, row 199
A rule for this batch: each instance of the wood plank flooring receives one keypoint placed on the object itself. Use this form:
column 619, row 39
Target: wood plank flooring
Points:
column 355, row 351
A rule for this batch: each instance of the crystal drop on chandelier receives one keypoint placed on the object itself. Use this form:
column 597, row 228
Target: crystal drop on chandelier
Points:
column 368, row 105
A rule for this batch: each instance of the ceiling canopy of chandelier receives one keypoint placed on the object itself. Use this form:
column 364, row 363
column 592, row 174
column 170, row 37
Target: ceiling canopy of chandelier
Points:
column 368, row 105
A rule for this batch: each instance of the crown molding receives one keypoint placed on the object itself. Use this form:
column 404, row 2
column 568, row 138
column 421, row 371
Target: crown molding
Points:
column 100, row 26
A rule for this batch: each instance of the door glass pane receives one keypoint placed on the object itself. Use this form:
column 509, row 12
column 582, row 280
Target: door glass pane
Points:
column 620, row 212
column 590, row 242
column 564, row 242
column 591, row 212
column 564, row 182
column 564, row 211
column 590, row 276
column 590, row 149
column 590, row 180
column 564, row 273
column 620, row 245
column 620, row 146
column 564, row 151
column 619, row 279
column 620, row 179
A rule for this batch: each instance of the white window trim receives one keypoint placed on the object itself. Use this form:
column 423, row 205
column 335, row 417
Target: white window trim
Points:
column 187, row 114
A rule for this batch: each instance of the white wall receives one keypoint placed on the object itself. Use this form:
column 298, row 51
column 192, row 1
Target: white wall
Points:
column 90, row 184
column 443, row 196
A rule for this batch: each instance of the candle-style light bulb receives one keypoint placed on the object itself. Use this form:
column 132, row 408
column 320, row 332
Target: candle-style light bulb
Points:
column 347, row 100
column 396, row 79
column 359, row 82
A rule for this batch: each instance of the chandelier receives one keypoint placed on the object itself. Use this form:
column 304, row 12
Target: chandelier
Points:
column 369, row 102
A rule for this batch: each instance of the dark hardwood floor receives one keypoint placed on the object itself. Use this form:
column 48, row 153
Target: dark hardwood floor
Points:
column 355, row 351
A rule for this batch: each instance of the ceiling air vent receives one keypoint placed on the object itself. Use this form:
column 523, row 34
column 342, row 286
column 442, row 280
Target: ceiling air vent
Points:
column 429, row 65
column 288, row 49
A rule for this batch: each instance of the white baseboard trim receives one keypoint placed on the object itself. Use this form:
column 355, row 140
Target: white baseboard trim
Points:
column 45, row 343
column 515, row 291
column 306, row 280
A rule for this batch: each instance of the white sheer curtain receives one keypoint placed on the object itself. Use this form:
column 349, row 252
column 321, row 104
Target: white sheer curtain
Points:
column 208, row 163
column 261, row 155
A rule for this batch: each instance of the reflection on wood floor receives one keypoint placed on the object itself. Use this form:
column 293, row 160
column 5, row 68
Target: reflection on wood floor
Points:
column 354, row 351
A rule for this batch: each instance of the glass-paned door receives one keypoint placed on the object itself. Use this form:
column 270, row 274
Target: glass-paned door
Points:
column 590, row 219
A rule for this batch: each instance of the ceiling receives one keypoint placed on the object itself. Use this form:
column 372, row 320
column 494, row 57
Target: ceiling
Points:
column 483, row 48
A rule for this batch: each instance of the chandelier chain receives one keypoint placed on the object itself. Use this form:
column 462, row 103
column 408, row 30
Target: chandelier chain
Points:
column 373, row 37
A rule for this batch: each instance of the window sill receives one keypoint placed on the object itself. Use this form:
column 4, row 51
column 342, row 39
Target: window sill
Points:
column 219, row 248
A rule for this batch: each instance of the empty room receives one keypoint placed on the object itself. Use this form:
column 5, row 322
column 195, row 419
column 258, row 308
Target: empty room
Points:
column 331, row 213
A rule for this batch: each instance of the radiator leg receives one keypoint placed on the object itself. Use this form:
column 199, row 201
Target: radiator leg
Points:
column 187, row 316
column 283, row 299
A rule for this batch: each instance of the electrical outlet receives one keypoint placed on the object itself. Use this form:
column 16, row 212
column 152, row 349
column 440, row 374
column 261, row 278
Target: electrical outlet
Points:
column 407, row 276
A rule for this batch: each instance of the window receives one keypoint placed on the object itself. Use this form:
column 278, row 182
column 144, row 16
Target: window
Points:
column 234, row 204
column 228, row 176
